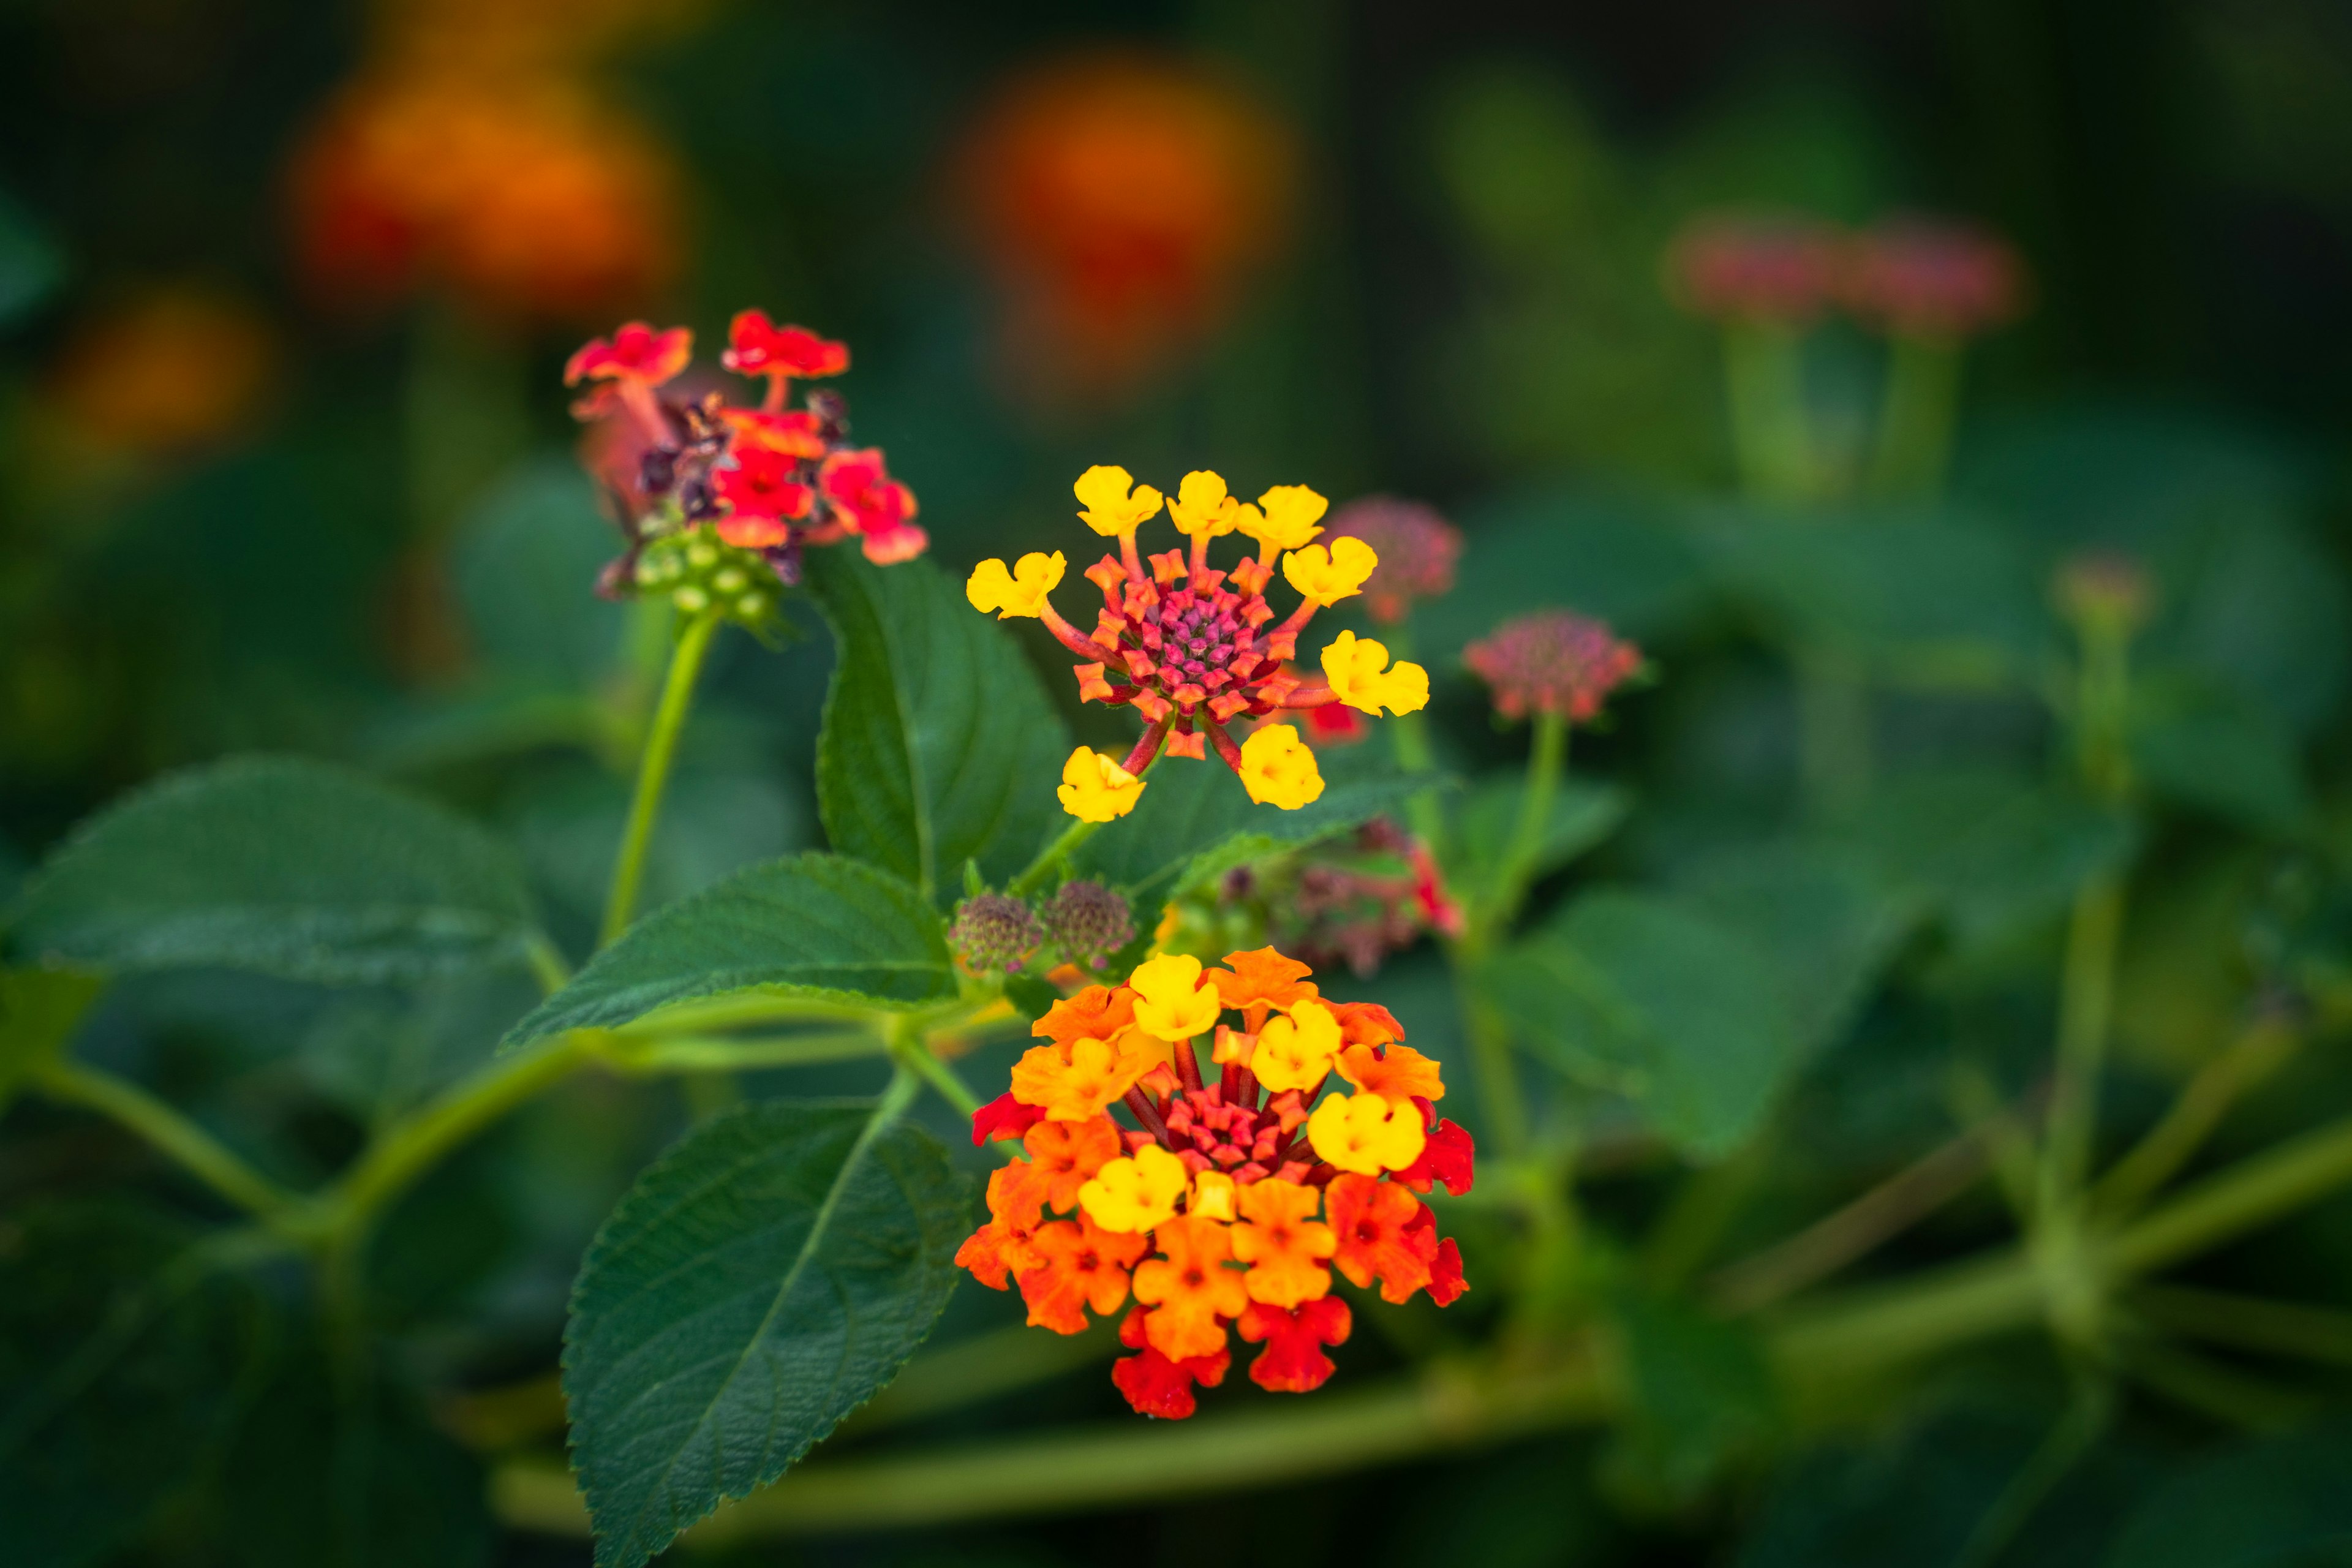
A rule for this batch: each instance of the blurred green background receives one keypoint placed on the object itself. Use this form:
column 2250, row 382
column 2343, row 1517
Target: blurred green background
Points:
column 286, row 290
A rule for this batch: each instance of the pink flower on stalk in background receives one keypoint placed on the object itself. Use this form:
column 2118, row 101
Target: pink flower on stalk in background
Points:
column 1553, row 661
column 1417, row 547
column 1777, row 268
column 1933, row 279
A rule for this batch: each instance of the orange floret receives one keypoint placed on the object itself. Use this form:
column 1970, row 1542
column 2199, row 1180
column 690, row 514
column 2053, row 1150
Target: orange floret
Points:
column 1263, row 978
column 1284, row 1242
column 1080, row 1265
column 1098, row 1012
column 1400, row 1075
column 1004, row 1245
column 1066, row 1154
column 1366, row 1023
column 1381, row 1235
column 1190, row 1289
column 1077, row 1082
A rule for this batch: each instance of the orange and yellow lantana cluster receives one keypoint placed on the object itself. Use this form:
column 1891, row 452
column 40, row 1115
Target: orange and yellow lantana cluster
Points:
column 1190, row 646
column 1234, row 1196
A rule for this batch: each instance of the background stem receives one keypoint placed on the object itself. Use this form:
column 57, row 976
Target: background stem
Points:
column 653, row 771
column 194, row 1149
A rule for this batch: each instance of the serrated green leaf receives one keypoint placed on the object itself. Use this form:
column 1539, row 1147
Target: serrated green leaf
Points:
column 814, row 926
column 765, row 1277
column 1650, row 996
column 939, row 744
column 287, row 867
column 1195, row 821
column 120, row 1355
column 39, row 1011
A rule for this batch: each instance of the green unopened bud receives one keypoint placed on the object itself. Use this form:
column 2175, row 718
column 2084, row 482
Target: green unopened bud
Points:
column 751, row 606
column 701, row 554
column 691, row 599
column 730, row 580
column 649, row 571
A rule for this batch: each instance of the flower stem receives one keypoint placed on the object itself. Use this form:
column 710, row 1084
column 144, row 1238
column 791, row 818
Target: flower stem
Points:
column 2085, row 998
column 194, row 1149
column 653, row 771
column 1055, row 854
column 1547, row 760
column 917, row 1056
column 1916, row 417
column 1764, row 375
column 2258, row 1051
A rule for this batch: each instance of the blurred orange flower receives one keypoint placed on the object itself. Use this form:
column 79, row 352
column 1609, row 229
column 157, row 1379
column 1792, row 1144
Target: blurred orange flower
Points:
column 1121, row 200
column 525, row 197
column 171, row 370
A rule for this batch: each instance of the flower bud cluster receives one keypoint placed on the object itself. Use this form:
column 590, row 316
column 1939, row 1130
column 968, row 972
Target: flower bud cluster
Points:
column 700, row 571
column 1908, row 276
column 1081, row 926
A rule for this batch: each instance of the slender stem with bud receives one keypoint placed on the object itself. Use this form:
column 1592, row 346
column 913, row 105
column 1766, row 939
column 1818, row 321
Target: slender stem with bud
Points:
column 652, row 771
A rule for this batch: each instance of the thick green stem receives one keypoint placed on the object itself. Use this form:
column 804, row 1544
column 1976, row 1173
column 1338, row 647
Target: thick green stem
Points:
column 1917, row 416
column 939, row 1076
column 1770, row 433
column 2085, row 1000
column 730, row 1053
column 194, row 1149
column 652, row 771
column 1055, row 853
column 1547, row 760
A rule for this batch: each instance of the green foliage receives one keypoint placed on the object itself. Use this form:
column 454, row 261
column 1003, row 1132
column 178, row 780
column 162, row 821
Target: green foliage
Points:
column 813, row 927
column 120, row 1347
column 1703, row 1393
column 1583, row 814
column 295, row 868
column 39, row 1009
column 30, row 263
column 939, row 745
column 764, row 1279
column 1651, row 996
column 2263, row 1504
column 528, row 553
column 1195, row 822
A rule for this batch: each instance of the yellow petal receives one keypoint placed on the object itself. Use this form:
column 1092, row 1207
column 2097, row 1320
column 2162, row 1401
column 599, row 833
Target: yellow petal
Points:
column 1278, row 770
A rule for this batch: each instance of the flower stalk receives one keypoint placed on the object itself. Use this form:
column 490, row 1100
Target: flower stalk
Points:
column 652, row 771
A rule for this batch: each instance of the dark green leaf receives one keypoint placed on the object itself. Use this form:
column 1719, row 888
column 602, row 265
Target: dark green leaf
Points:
column 39, row 1011
column 2224, row 755
column 323, row 1474
column 1583, row 814
column 526, row 561
column 1651, row 996
column 1992, row 853
column 939, row 745
column 768, row 1276
column 30, row 263
column 120, row 1355
column 1195, row 820
column 290, row 868
column 2265, row 1504
column 814, row 926
column 1703, row 1395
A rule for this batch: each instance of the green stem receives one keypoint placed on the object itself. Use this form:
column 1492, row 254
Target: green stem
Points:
column 1917, row 416
column 729, row 1053
column 1409, row 743
column 196, row 1150
column 1770, row 433
column 1054, row 855
column 1547, row 760
column 2086, row 999
column 653, row 771
column 2259, row 1188
column 2251, row 1322
column 2257, row 1052
column 1498, row 1074
column 547, row 965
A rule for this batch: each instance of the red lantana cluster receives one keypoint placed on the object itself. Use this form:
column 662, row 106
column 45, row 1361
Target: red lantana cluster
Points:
column 1232, row 1199
column 1553, row 661
column 1910, row 277
column 766, row 478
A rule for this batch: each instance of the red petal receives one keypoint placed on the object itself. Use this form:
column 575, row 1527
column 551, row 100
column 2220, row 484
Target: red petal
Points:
column 1006, row 1117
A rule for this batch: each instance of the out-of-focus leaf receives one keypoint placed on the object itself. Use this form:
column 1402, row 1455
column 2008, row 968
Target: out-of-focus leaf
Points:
column 288, row 867
column 1652, row 996
column 1920, row 595
column 378, row 1054
column 321, row 1474
column 715, row 821
column 119, row 1356
column 2260, row 607
column 2224, row 755
column 814, row 926
column 1823, row 921
column 939, row 744
column 31, row 266
column 1195, row 821
column 1583, row 814
column 493, row 717
column 767, row 1277
column 2265, row 1504
column 1597, row 553
column 1702, row 1396
column 39, row 1011
column 526, row 561
column 1990, row 852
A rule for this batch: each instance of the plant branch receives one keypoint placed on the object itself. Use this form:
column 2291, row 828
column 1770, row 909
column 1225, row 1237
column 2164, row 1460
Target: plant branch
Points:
column 2259, row 1050
column 662, row 1054
column 653, row 771
column 2250, row 1322
column 2086, row 999
column 191, row 1147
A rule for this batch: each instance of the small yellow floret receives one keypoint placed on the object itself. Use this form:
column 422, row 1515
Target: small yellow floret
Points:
column 1020, row 591
column 1298, row 1051
column 1213, row 1197
column 1200, row 507
column 1096, row 789
column 1365, row 1134
column 1170, row 1001
column 1278, row 770
column 1292, row 517
column 1327, row 577
column 1359, row 671
column 1133, row 1195
column 1114, row 502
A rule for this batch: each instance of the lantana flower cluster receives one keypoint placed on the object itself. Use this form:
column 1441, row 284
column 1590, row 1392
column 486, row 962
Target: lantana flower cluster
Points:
column 1912, row 277
column 718, row 499
column 1239, row 1188
column 1195, row 650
